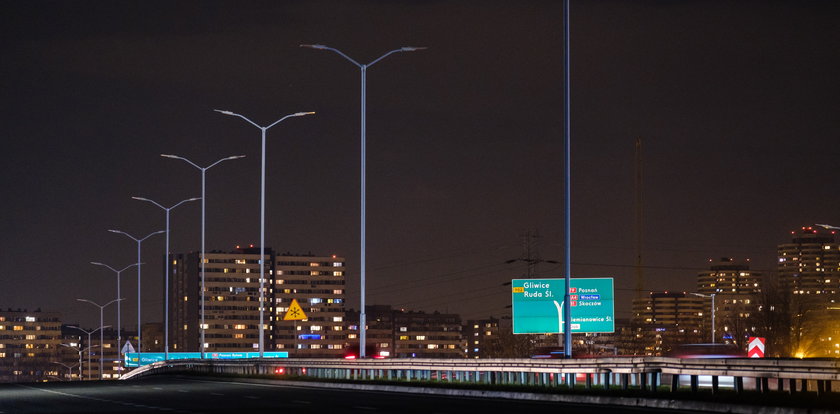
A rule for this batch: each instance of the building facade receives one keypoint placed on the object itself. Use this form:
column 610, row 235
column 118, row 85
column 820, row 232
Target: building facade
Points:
column 737, row 291
column 665, row 319
column 809, row 280
column 232, row 302
column 401, row 333
column 317, row 284
column 29, row 346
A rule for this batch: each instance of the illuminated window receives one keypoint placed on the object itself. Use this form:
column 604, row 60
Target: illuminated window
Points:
column 316, row 328
column 30, row 319
column 338, row 273
column 239, row 326
column 314, row 264
column 185, row 327
column 337, row 264
column 30, row 346
column 185, row 298
column 18, row 328
column 421, row 337
column 337, row 292
column 30, row 337
column 238, row 336
column 352, row 336
column 338, row 318
column 432, row 346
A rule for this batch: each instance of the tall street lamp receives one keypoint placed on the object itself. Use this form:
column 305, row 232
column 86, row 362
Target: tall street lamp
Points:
column 363, row 68
column 262, row 129
column 88, row 342
column 713, row 310
column 101, row 328
column 78, row 348
column 139, row 241
column 166, row 265
column 119, row 315
column 203, row 198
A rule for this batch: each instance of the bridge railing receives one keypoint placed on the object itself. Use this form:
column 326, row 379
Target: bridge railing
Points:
column 791, row 375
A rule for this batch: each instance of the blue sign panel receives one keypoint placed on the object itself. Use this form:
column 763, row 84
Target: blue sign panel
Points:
column 134, row 359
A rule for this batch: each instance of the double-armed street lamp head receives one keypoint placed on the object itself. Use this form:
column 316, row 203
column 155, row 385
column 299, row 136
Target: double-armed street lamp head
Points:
column 362, row 266
column 263, row 129
column 203, row 203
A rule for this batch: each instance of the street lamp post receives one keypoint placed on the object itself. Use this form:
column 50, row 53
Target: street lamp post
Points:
column 203, row 198
column 101, row 329
column 713, row 310
column 363, row 68
column 166, row 265
column 139, row 241
column 69, row 369
column 78, row 349
column 119, row 314
column 101, row 350
column 262, row 129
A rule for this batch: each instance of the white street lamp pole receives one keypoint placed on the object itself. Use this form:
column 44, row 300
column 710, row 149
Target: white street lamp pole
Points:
column 101, row 328
column 363, row 68
column 119, row 315
column 713, row 310
column 88, row 342
column 78, row 349
column 139, row 241
column 203, row 198
column 166, row 265
column 263, row 129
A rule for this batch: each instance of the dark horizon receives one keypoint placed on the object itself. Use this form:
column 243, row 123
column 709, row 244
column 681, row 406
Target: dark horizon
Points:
column 736, row 104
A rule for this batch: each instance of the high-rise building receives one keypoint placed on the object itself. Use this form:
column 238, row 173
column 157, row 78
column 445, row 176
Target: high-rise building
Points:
column 736, row 289
column 810, row 265
column 809, row 276
column 666, row 319
column 317, row 284
column 231, row 300
column 29, row 345
column 232, row 296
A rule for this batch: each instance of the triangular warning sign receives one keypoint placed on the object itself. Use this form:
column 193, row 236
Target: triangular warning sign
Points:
column 128, row 348
column 295, row 312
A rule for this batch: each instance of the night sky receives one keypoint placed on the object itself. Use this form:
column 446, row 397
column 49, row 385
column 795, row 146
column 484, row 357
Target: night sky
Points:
column 737, row 105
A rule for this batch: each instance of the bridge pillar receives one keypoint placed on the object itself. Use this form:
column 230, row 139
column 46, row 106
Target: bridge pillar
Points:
column 765, row 385
column 715, row 384
column 694, row 383
column 675, row 382
column 804, row 385
column 654, row 381
column 739, row 385
column 606, row 380
column 625, row 381
column 643, row 381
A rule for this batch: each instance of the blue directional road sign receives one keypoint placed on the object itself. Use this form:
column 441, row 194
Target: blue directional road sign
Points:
column 538, row 305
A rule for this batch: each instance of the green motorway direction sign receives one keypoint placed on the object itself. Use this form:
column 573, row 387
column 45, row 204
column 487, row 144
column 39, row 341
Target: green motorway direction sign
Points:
column 538, row 305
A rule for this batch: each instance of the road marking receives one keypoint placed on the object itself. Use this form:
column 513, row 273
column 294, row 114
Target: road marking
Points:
column 149, row 407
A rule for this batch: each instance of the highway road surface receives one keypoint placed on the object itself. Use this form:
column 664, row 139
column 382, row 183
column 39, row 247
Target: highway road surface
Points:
column 192, row 395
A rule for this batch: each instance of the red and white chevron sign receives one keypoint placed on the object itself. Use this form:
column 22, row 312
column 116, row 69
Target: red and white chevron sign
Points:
column 756, row 347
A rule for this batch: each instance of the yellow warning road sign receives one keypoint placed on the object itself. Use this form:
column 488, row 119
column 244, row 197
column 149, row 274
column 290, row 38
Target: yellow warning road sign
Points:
column 295, row 312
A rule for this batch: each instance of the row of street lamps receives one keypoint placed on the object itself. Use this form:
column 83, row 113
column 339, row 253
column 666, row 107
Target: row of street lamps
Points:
column 263, row 130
